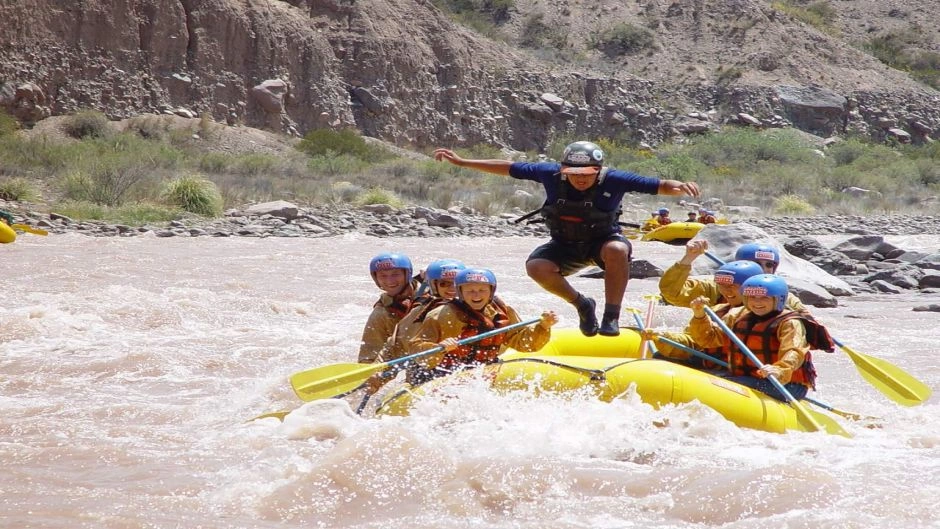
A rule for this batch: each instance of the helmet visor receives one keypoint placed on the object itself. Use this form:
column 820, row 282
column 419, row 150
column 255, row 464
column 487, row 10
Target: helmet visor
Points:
column 580, row 170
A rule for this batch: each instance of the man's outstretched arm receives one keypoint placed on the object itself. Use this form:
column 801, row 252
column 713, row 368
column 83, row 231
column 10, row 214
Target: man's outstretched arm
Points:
column 498, row 167
column 675, row 188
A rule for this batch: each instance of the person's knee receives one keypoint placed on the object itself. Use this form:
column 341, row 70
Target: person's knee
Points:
column 541, row 268
column 615, row 254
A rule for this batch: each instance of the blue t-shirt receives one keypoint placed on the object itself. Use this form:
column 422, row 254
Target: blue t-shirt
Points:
column 608, row 197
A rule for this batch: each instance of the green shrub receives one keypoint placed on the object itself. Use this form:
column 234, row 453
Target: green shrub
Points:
column 622, row 39
column 195, row 195
column 215, row 162
column 8, row 124
column 129, row 214
column 377, row 195
column 901, row 50
column 336, row 165
column 792, row 205
column 326, row 142
column 821, row 15
column 17, row 189
column 87, row 124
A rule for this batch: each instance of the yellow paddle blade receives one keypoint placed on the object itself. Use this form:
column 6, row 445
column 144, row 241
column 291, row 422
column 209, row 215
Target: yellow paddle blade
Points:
column 279, row 415
column 892, row 381
column 722, row 221
column 332, row 380
column 816, row 421
column 30, row 229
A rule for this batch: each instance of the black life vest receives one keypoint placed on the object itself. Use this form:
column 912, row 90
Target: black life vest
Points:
column 579, row 220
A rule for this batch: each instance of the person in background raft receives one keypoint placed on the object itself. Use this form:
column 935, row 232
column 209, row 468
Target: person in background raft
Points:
column 780, row 338
column 581, row 210
column 678, row 289
column 392, row 273
column 6, row 218
column 476, row 310
column 664, row 217
column 705, row 216
column 651, row 223
column 692, row 217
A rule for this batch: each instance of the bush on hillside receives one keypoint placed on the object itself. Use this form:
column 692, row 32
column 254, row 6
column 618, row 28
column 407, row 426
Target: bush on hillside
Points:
column 87, row 124
column 17, row 189
column 327, row 142
column 195, row 195
column 623, row 39
column 8, row 124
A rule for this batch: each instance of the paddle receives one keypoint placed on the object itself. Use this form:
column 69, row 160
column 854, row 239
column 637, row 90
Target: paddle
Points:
column 811, row 418
column 722, row 363
column 29, row 229
column 646, row 344
column 336, row 379
column 892, row 381
column 639, row 323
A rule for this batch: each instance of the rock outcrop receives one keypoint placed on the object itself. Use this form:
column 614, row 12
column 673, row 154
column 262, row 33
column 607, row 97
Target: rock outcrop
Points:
column 404, row 72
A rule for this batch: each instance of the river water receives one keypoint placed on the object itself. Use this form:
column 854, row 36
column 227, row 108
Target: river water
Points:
column 129, row 368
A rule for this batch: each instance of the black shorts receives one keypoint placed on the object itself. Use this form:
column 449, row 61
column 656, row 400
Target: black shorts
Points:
column 572, row 257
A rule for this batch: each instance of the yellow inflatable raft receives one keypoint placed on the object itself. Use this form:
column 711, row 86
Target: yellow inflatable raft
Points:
column 610, row 366
column 675, row 232
column 7, row 234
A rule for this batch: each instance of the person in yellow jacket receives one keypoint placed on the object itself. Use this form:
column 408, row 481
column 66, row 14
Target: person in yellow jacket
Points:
column 677, row 288
column 728, row 279
column 780, row 338
column 476, row 310
column 440, row 276
column 651, row 223
column 392, row 273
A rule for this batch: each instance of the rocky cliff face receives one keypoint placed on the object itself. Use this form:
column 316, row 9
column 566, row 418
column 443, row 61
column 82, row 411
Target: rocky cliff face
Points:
column 402, row 71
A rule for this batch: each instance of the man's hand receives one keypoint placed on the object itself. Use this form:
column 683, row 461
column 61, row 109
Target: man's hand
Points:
column 548, row 319
column 693, row 249
column 770, row 370
column 448, row 155
column 698, row 306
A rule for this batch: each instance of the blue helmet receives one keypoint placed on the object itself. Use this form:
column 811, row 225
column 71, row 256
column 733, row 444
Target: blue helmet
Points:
column 663, row 211
column 390, row 261
column 737, row 272
column 754, row 251
column 446, row 269
column 475, row 275
column 767, row 285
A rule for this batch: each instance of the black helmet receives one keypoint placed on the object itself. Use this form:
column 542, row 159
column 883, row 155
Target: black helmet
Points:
column 583, row 154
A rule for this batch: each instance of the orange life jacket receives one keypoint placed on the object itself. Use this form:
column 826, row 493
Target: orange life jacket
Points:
column 484, row 351
column 760, row 336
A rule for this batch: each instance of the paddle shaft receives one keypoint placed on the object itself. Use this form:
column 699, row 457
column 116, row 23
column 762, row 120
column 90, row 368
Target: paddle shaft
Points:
column 758, row 364
column 465, row 341
column 337, row 379
column 715, row 259
column 639, row 323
